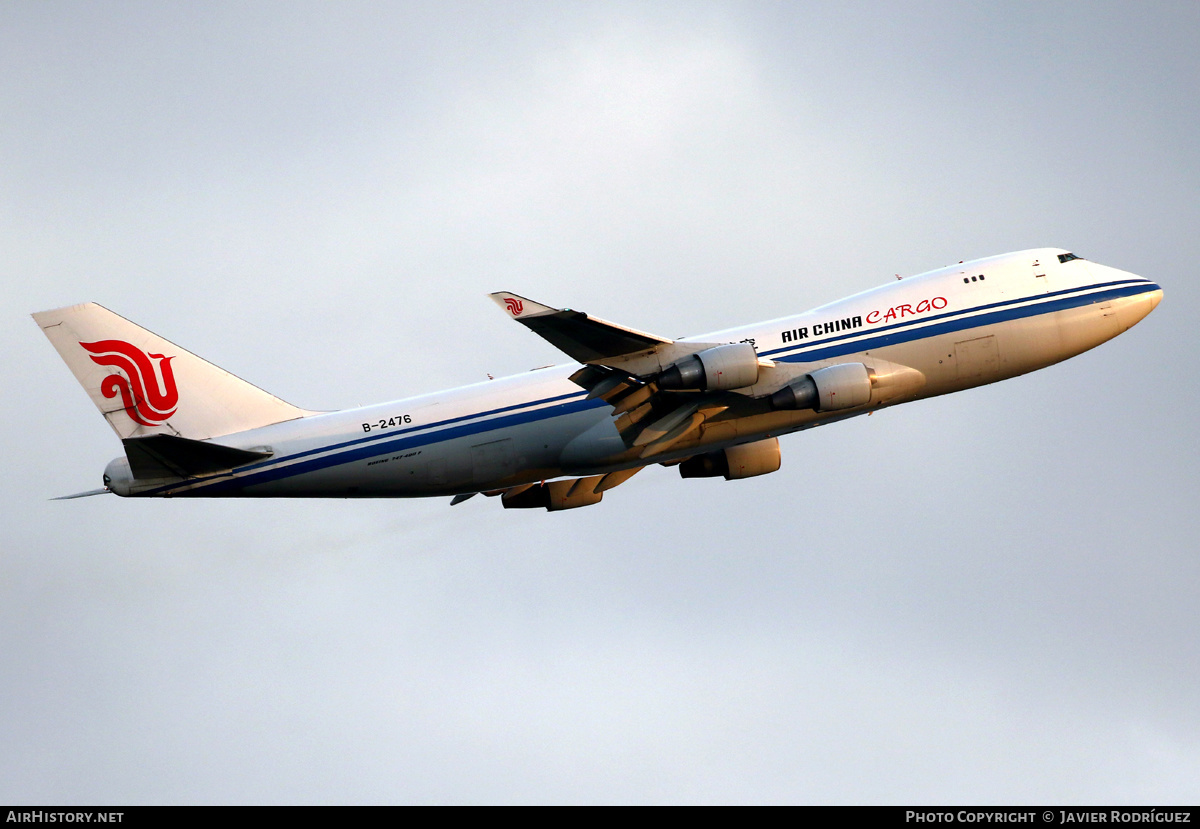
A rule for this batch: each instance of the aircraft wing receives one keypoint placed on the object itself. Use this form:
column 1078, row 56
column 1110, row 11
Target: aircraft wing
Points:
column 621, row 366
column 590, row 340
column 579, row 336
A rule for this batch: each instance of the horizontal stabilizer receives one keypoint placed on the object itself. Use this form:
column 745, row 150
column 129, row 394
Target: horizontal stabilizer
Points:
column 582, row 338
column 168, row 456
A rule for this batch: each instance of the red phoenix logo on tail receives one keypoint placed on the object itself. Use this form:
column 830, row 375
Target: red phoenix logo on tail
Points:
column 149, row 394
column 515, row 306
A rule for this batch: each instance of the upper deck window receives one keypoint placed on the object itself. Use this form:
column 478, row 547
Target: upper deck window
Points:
column 1067, row 257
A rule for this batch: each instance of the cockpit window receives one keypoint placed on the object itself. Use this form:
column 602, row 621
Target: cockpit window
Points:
column 1067, row 257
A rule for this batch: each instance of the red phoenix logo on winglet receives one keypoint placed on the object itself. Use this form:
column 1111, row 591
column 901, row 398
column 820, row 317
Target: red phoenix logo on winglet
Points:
column 514, row 305
column 149, row 393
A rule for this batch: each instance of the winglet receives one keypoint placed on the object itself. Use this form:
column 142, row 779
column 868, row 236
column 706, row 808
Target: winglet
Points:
column 520, row 307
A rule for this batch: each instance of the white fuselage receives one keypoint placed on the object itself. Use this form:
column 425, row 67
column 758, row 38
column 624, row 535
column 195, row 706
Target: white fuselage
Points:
column 942, row 331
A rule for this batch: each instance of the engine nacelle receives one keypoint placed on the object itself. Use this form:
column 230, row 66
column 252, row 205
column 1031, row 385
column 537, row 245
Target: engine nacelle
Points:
column 744, row 461
column 828, row 389
column 732, row 366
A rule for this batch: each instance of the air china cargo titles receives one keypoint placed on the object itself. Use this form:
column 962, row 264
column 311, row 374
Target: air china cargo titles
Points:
column 901, row 311
column 849, row 323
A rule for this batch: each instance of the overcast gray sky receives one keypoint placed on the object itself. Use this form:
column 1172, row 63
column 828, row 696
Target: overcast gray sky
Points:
column 984, row 598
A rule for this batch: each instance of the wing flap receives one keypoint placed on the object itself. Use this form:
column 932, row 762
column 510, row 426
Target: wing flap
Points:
column 613, row 479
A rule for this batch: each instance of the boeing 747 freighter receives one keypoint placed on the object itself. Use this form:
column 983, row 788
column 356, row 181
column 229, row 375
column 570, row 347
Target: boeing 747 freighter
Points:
column 559, row 438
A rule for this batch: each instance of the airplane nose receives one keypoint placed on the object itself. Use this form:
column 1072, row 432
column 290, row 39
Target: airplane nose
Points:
column 1155, row 298
column 1133, row 309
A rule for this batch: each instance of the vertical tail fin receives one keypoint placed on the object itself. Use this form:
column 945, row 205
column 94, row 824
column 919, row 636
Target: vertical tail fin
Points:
column 145, row 385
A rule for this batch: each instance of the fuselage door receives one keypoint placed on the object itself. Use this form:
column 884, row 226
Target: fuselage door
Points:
column 1039, row 277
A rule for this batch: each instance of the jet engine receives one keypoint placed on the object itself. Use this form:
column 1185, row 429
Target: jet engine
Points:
column 843, row 386
column 744, row 461
column 732, row 366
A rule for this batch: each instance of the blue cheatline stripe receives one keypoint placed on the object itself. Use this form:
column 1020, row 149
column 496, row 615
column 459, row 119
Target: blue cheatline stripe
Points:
column 276, row 462
column 395, row 443
column 391, row 433
column 402, row 439
column 958, row 321
column 1037, row 299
